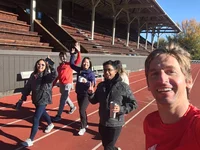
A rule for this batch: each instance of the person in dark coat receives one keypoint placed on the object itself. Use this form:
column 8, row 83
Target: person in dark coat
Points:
column 40, row 84
column 85, row 76
column 115, row 99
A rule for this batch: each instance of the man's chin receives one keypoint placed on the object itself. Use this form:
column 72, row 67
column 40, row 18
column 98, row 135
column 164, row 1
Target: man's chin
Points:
column 165, row 101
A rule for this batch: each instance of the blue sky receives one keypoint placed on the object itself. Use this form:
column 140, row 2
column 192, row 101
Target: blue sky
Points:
column 180, row 10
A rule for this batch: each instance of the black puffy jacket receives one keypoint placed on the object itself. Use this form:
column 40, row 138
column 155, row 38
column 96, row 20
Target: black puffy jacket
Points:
column 41, row 87
column 117, row 91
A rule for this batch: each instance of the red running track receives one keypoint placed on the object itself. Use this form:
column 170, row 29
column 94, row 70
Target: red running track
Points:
column 15, row 126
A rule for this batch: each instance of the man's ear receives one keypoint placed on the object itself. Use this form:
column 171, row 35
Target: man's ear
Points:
column 189, row 83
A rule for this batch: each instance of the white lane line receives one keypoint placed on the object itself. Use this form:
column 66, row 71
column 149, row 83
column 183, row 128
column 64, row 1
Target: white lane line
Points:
column 196, row 76
column 138, row 80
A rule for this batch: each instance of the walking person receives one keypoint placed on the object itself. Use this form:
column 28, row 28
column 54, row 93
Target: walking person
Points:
column 40, row 84
column 65, row 77
column 115, row 99
column 123, row 74
column 176, row 123
column 85, row 76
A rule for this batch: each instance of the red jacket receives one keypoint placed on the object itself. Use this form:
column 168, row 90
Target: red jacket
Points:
column 65, row 72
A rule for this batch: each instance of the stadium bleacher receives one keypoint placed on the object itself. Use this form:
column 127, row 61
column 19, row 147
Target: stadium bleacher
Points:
column 16, row 35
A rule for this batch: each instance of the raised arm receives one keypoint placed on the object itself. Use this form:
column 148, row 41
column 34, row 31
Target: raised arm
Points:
column 72, row 65
column 50, row 77
column 77, row 49
column 78, row 59
column 55, row 81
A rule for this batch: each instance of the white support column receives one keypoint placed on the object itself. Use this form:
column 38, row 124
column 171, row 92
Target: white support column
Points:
column 152, row 38
column 128, row 31
column 113, row 32
column 147, row 30
column 59, row 13
column 128, row 34
column 158, row 39
column 138, row 41
column 33, row 14
column 114, row 26
column 94, row 5
column 93, row 23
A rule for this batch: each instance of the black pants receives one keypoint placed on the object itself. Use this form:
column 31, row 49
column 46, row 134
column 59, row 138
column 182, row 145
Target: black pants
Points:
column 83, row 103
column 109, row 136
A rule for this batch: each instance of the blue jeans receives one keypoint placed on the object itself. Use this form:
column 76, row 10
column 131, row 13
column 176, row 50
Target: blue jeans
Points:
column 39, row 112
column 64, row 90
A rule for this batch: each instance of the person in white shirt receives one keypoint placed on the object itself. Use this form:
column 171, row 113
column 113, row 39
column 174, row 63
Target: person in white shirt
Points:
column 122, row 72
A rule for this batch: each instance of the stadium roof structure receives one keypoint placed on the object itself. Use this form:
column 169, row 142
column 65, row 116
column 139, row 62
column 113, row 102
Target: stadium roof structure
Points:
column 142, row 15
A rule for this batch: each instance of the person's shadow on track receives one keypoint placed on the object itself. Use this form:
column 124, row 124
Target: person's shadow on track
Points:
column 9, row 113
column 8, row 146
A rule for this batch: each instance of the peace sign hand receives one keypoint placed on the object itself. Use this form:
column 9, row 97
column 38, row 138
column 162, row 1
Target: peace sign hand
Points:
column 91, row 88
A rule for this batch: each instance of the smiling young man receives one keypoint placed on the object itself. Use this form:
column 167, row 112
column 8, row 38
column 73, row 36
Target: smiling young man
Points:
column 176, row 124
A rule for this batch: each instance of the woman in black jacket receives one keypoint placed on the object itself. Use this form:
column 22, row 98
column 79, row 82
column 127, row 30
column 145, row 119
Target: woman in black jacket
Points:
column 115, row 99
column 85, row 76
column 40, row 84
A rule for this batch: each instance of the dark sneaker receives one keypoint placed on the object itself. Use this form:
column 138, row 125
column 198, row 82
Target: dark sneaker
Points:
column 56, row 118
column 72, row 110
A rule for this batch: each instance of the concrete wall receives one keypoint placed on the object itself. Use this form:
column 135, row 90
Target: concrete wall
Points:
column 13, row 62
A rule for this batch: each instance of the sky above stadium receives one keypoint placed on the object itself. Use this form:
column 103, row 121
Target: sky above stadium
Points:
column 179, row 10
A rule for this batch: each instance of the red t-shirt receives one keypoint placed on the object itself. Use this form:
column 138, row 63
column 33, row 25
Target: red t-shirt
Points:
column 183, row 135
column 65, row 72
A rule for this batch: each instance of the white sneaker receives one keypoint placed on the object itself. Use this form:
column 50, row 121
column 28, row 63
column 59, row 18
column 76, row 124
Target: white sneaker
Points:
column 49, row 128
column 81, row 131
column 27, row 143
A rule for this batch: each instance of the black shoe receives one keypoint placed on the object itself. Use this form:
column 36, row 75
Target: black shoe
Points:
column 72, row 110
column 56, row 118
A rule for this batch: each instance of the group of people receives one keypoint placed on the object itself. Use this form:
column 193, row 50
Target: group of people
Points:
column 176, row 124
column 45, row 77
